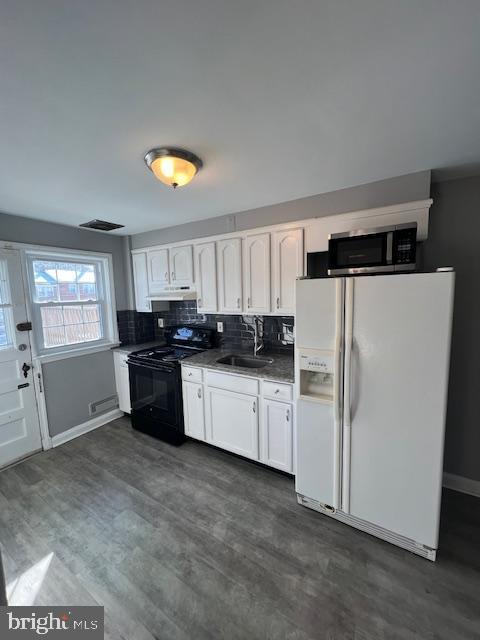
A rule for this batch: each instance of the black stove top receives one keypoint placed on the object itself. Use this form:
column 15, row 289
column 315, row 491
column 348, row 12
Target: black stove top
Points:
column 164, row 354
column 182, row 342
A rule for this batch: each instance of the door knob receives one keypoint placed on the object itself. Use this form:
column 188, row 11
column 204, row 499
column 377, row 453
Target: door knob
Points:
column 22, row 347
column 26, row 368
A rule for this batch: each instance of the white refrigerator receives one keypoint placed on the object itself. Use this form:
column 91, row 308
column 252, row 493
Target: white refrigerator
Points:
column 372, row 361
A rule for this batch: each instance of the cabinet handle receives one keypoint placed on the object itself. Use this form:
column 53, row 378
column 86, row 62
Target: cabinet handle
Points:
column 199, row 392
column 238, row 303
column 248, row 302
column 254, row 407
column 278, row 303
column 173, row 275
column 277, row 390
column 288, row 415
column 190, row 374
column 199, row 302
column 166, row 275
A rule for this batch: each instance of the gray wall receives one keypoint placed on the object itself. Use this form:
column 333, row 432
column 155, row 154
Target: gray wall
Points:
column 453, row 240
column 19, row 229
column 408, row 188
column 70, row 385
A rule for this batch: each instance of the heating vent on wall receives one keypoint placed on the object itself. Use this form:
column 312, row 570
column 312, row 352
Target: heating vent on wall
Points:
column 107, row 404
column 101, row 225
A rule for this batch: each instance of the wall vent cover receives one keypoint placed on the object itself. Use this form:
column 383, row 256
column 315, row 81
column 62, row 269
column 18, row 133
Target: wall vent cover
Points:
column 101, row 225
column 107, row 404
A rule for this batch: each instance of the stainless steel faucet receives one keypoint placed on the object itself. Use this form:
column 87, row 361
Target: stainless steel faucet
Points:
column 257, row 334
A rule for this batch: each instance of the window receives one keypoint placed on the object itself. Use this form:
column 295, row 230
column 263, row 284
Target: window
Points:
column 6, row 316
column 71, row 301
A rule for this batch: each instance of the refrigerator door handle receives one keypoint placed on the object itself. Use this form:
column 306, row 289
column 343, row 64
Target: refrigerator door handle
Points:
column 347, row 426
column 337, row 390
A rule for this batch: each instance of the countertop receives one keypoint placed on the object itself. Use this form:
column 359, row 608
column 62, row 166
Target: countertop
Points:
column 280, row 370
column 129, row 348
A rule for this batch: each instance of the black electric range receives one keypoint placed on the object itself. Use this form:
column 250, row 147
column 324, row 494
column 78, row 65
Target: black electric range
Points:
column 156, row 382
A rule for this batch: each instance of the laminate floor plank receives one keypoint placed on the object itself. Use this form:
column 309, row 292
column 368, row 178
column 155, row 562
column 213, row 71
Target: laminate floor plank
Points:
column 192, row 543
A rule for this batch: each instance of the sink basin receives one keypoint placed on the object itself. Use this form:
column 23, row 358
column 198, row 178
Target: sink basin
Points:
column 244, row 361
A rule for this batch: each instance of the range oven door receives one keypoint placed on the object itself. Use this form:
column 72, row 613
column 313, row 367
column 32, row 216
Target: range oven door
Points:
column 360, row 253
column 154, row 393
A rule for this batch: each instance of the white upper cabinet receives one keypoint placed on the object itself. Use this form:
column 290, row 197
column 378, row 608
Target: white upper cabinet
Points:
column 252, row 273
column 181, row 265
column 158, row 269
column 169, row 266
column 206, row 277
column 229, row 258
column 256, row 265
column 140, row 282
column 288, row 262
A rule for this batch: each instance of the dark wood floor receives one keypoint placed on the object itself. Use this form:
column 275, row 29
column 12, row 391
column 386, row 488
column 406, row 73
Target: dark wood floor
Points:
column 192, row 543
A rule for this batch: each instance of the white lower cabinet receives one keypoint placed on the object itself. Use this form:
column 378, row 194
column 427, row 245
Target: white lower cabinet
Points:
column 235, row 413
column 233, row 422
column 276, row 436
column 194, row 410
column 122, row 381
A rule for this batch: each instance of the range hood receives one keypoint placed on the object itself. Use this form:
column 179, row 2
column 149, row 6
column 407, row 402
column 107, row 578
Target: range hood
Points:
column 174, row 294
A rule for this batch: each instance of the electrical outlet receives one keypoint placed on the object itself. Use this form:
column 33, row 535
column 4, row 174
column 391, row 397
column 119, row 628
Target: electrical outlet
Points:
column 220, row 327
column 161, row 323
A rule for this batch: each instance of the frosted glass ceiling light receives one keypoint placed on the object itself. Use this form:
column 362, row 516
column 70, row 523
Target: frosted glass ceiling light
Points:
column 173, row 166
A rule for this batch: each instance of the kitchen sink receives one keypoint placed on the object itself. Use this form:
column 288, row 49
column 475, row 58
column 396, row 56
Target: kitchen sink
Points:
column 244, row 361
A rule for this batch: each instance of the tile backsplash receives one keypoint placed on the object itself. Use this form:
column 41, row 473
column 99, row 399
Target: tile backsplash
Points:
column 134, row 327
column 278, row 331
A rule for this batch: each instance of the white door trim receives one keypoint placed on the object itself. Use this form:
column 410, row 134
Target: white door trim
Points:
column 41, row 404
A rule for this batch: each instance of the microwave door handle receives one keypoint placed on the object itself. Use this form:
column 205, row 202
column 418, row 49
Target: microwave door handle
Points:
column 389, row 248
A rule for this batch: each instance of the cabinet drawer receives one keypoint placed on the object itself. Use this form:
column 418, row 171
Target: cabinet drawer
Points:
column 232, row 383
column 192, row 374
column 277, row 391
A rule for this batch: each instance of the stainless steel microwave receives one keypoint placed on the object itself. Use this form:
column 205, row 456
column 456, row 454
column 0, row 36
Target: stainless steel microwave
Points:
column 379, row 250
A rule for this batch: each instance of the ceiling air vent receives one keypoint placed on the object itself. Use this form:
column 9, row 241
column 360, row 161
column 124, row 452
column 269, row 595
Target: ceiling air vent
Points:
column 101, row 225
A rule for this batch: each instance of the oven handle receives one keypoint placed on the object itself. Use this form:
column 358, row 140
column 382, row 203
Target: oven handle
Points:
column 153, row 367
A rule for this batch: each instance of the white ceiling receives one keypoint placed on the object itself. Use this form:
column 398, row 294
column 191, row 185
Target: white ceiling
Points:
column 280, row 98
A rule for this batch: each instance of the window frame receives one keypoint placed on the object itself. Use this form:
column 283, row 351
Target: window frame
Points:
column 6, row 307
column 106, row 300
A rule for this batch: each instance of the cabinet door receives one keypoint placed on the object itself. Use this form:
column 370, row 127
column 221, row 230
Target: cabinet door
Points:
column 256, row 264
column 140, row 282
column 229, row 254
column 287, row 267
column 181, row 265
column 277, row 435
column 233, row 422
column 194, row 413
column 122, row 382
column 206, row 277
column 158, row 273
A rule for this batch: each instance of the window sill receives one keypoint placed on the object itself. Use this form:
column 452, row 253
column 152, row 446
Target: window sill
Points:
column 73, row 353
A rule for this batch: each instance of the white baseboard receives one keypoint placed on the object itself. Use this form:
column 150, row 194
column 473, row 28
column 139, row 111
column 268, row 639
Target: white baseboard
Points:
column 459, row 483
column 85, row 427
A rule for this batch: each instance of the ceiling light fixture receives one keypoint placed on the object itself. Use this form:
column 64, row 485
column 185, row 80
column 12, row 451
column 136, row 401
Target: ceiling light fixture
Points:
column 173, row 166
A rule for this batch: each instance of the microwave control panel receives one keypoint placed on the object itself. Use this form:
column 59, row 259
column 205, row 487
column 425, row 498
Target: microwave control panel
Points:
column 404, row 246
